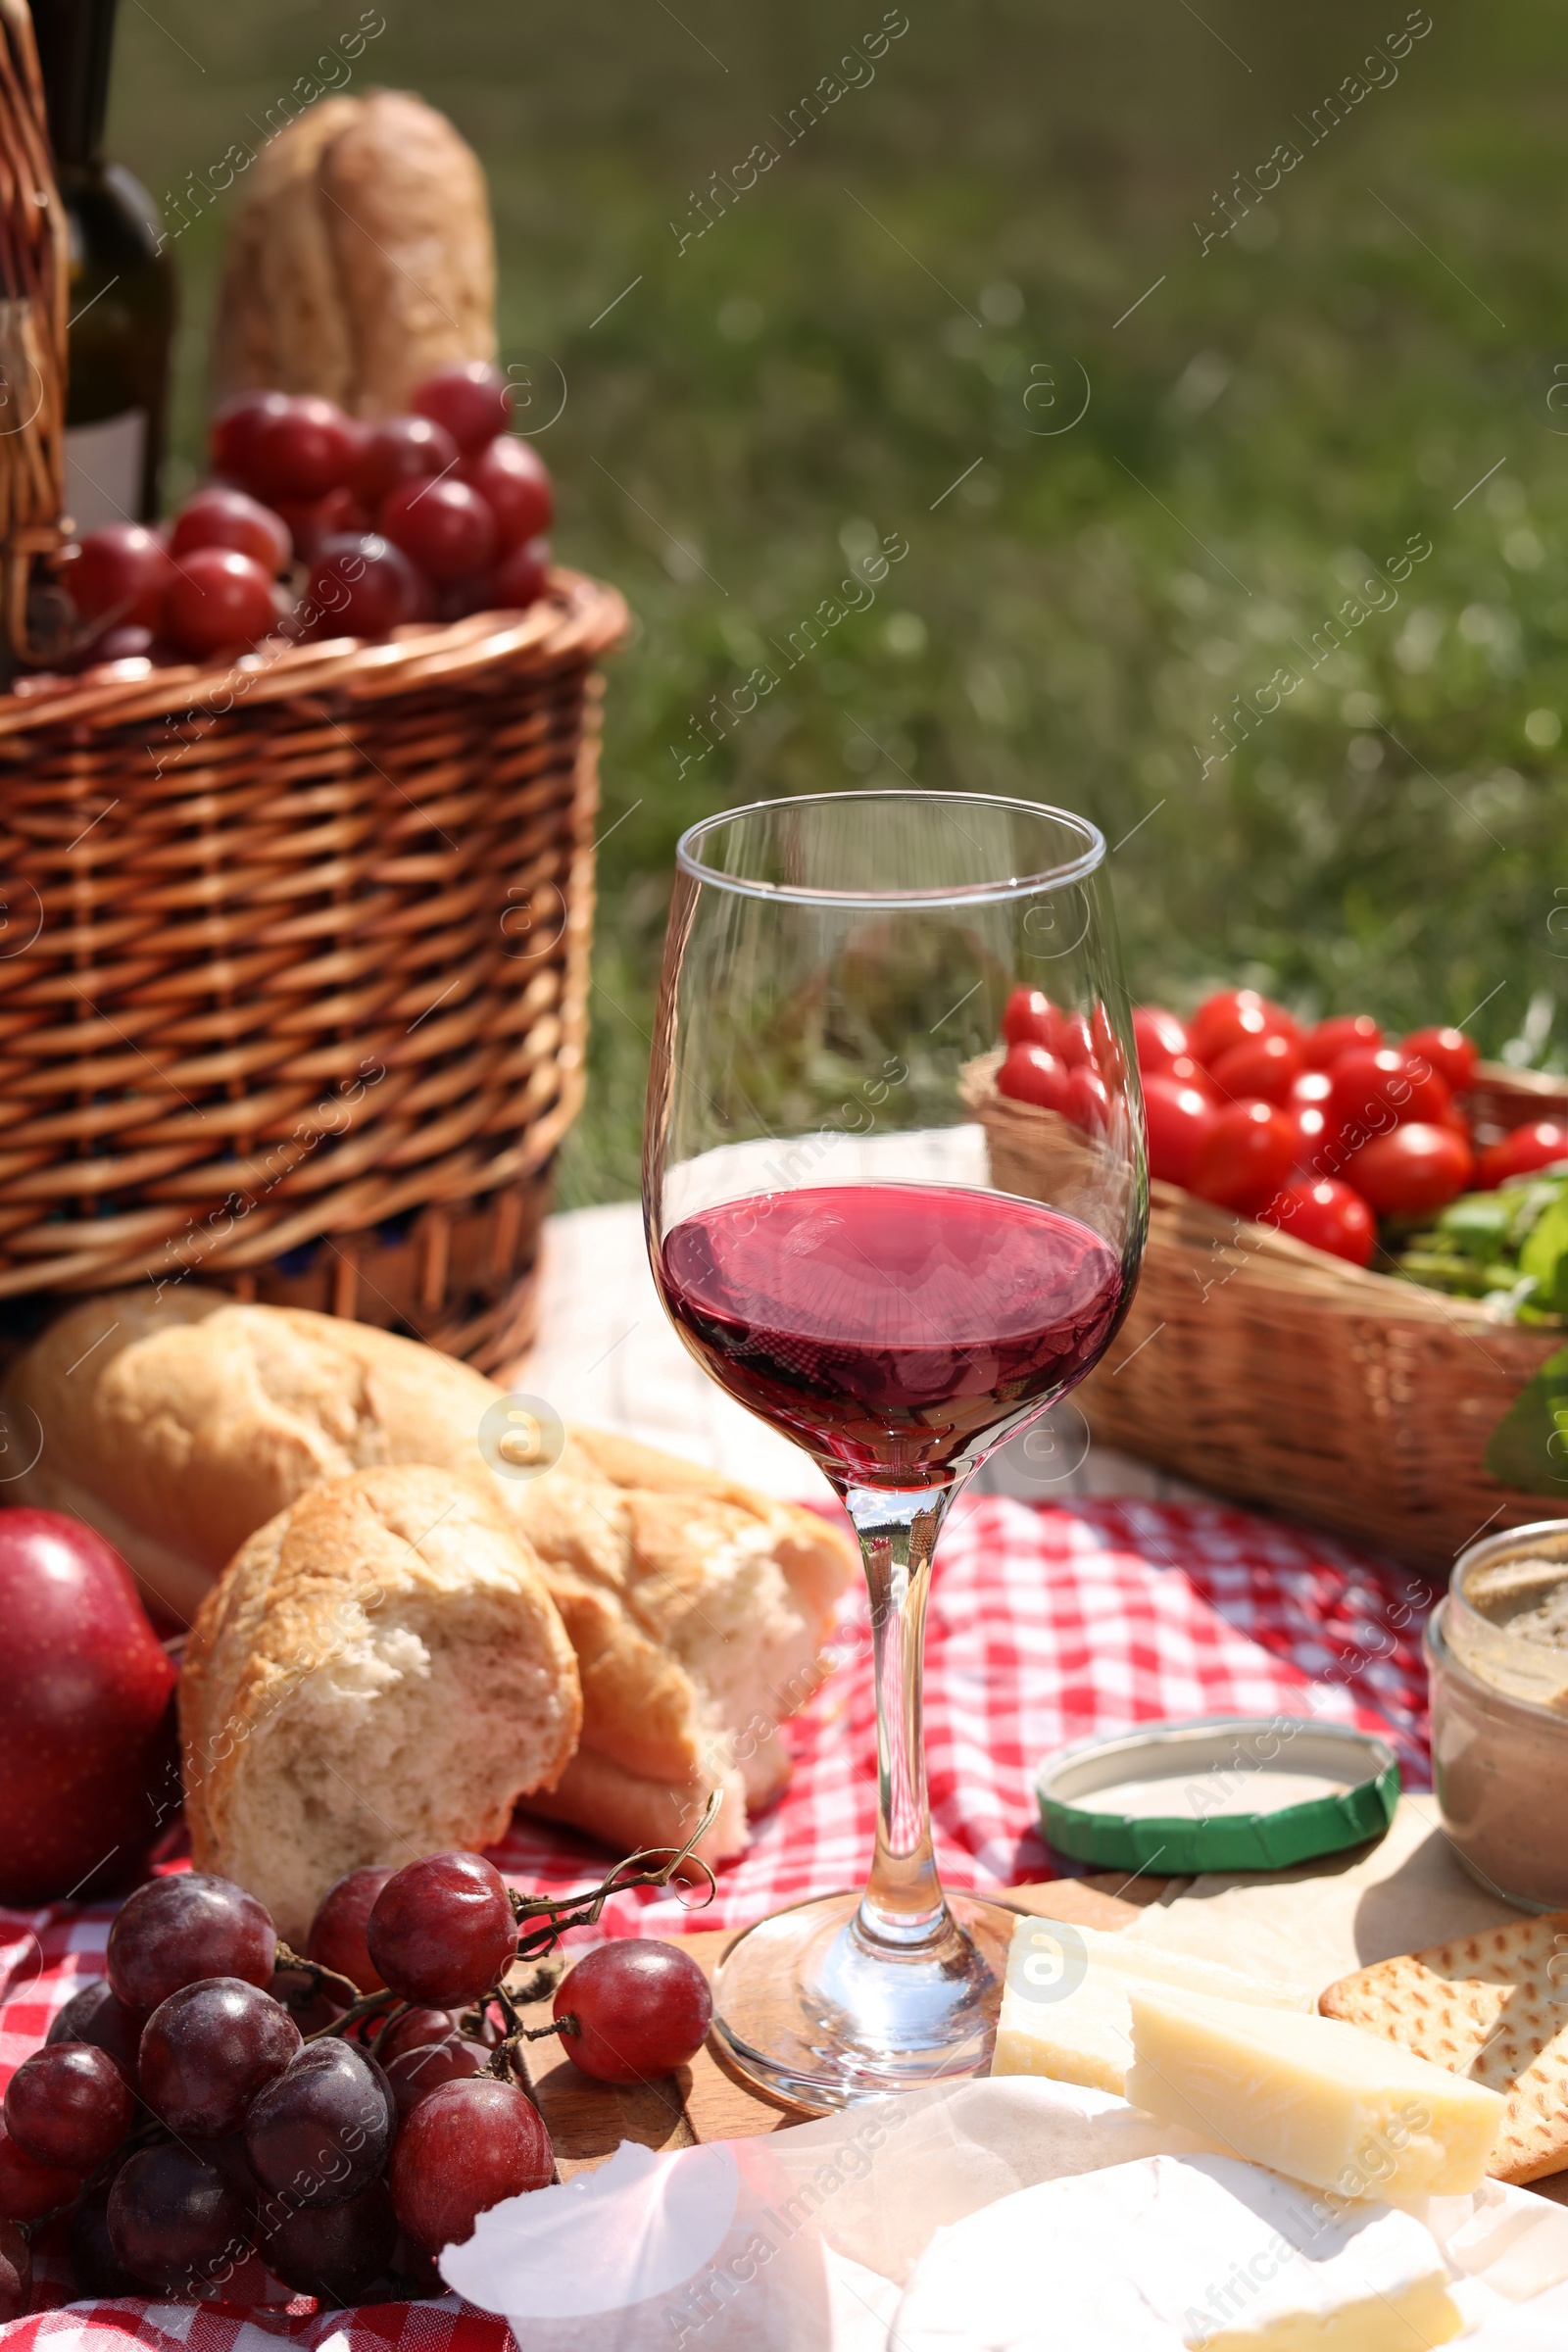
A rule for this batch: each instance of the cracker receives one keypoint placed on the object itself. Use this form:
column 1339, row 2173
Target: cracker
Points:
column 1492, row 2006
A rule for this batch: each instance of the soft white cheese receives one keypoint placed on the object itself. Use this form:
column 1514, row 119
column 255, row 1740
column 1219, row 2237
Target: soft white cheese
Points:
column 1065, row 2010
column 1178, row 2251
column 1311, row 2096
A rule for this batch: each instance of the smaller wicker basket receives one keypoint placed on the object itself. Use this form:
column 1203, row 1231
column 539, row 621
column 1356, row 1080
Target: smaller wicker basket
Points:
column 1280, row 1376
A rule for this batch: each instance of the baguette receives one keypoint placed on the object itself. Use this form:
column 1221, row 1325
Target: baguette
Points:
column 697, row 1610
column 380, row 1674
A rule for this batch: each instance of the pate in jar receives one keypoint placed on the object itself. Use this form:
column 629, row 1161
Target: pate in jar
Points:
column 1498, row 1657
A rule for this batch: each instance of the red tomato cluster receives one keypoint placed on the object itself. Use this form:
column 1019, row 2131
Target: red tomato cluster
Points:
column 1058, row 1060
column 420, row 518
column 1319, row 1131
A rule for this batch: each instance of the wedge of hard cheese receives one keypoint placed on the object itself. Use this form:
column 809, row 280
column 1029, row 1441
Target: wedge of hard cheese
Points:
column 1310, row 2096
column 1065, row 2010
column 1178, row 2250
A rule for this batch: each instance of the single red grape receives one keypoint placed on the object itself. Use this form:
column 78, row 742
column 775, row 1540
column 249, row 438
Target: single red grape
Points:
column 68, row 2105
column 97, row 2015
column 415, row 2030
column 174, row 2221
column 220, row 517
column 361, row 587
column 175, row 1931
column 337, row 1932
column 444, row 528
column 469, row 399
column 122, row 571
column 461, row 2152
column 322, row 2130
column 521, row 576
column 403, row 449
column 442, row 1930
column 16, row 2272
column 300, row 450
column 513, row 482
column 231, row 437
column 28, row 2190
column 96, row 2270
column 642, row 2008
column 336, row 2251
column 209, row 2049
column 218, row 599
column 418, row 2072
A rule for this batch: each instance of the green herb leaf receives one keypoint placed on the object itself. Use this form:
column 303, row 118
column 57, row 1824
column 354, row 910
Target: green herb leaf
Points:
column 1529, row 1448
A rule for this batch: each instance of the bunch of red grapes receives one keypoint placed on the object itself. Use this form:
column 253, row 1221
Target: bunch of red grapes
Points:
column 342, row 2115
column 1319, row 1132
column 422, row 517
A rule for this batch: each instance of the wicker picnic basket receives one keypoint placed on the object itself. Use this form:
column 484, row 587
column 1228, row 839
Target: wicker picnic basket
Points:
column 1275, row 1374
column 293, row 951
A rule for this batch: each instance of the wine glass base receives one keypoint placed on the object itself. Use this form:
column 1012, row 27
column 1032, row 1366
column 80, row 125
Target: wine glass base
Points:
column 815, row 2013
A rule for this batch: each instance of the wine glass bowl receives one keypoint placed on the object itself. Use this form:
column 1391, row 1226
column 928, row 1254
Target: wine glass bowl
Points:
column 828, row 1238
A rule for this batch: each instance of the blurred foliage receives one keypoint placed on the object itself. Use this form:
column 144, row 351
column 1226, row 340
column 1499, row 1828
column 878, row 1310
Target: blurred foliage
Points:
column 877, row 338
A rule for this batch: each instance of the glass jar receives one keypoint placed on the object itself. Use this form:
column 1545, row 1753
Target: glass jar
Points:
column 1497, row 1658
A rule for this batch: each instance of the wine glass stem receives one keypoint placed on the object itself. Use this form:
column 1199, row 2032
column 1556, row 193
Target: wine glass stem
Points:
column 902, row 1903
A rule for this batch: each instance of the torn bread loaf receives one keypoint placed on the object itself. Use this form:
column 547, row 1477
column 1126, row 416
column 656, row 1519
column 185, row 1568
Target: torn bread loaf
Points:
column 1492, row 2007
column 380, row 1673
column 697, row 1609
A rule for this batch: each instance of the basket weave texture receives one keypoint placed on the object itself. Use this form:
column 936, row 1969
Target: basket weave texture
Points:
column 1278, row 1375
column 294, row 970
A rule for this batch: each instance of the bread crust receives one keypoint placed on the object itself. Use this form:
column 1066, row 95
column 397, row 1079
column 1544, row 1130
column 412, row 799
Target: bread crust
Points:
column 412, row 1564
column 179, row 1425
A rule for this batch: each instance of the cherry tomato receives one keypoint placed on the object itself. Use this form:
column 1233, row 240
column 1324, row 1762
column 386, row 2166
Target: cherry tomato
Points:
column 1224, row 1020
column 444, row 528
column 1179, row 1119
column 1159, row 1036
column 1324, row 1044
column 218, row 516
column 1325, row 1214
column 1087, row 1103
column 219, row 600
column 1076, row 1044
column 1029, row 1018
column 1032, row 1074
column 1538, row 1143
column 1311, row 1125
column 401, row 449
column 1311, row 1086
column 1416, row 1168
column 1260, row 1068
column 361, row 586
column 1375, row 1088
column 1447, row 1050
column 513, row 482
column 471, row 400
column 121, row 569
column 1188, row 1072
column 1245, row 1156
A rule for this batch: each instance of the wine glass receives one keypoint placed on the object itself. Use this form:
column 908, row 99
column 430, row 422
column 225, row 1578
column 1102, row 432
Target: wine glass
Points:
column 840, row 1247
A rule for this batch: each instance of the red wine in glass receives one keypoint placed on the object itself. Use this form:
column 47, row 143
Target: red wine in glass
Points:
column 896, row 1331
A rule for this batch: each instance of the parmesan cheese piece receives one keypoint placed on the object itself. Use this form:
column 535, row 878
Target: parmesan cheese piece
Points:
column 1065, row 2010
column 1310, row 2096
column 1179, row 2251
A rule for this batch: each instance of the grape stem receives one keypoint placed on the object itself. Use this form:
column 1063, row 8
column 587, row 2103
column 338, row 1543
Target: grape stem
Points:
column 558, row 1913
column 319, row 1975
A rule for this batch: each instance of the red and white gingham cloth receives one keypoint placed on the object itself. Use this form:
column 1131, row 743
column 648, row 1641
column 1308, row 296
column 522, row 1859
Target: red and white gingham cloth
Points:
column 1047, row 1625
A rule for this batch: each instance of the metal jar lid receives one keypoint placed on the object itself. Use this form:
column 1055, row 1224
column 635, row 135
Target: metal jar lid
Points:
column 1240, row 1794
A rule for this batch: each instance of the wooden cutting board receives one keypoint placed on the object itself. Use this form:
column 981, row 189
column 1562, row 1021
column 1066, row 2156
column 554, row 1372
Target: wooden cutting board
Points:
column 706, row 2101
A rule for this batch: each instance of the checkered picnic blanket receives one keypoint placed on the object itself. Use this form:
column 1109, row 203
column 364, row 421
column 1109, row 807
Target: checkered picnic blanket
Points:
column 1047, row 1625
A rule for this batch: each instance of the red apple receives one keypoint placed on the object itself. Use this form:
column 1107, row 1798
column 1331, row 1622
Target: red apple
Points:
column 88, row 1769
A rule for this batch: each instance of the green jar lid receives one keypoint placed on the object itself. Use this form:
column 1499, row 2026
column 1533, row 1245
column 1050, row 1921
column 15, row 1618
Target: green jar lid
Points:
column 1218, row 1793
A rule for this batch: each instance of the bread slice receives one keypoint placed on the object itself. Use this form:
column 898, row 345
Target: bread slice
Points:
column 178, row 1425
column 380, row 1674
column 1493, row 2007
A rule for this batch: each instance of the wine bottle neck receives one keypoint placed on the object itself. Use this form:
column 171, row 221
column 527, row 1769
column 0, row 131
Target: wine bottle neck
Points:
column 75, row 39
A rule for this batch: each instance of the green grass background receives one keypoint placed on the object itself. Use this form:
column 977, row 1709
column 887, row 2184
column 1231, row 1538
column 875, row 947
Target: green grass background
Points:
column 865, row 325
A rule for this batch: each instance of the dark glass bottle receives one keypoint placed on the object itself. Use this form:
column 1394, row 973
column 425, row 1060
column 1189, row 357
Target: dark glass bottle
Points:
column 121, row 281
